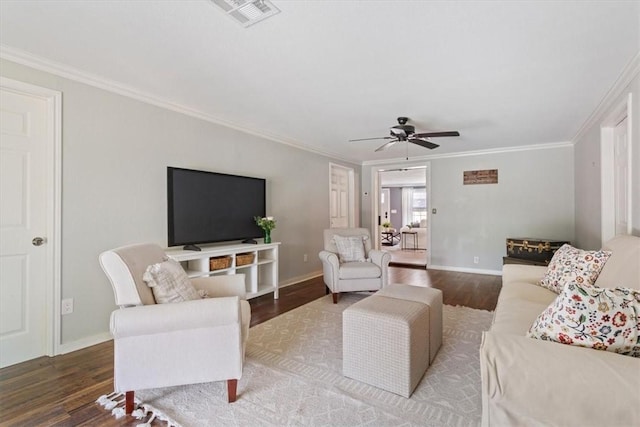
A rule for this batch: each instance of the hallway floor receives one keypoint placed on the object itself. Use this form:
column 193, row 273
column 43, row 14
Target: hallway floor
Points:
column 410, row 257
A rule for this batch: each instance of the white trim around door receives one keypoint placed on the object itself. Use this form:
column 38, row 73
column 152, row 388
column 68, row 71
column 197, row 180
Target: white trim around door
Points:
column 608, row 168
column 376, row 185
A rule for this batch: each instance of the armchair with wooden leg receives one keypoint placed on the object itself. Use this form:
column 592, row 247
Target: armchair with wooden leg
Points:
column 163, row 345
column 349, row 263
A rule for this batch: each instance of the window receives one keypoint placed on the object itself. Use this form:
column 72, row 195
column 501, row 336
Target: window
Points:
column 414, row 205
column 419, row 205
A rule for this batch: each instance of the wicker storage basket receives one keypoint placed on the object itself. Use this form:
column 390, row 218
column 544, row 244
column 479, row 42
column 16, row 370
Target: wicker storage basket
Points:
column 219, row 262
column 244, row 259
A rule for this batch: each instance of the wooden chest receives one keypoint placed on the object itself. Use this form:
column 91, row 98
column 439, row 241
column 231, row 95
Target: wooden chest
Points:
column 533, row 248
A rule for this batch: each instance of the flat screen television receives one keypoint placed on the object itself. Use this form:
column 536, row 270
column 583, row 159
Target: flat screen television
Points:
column 208, row 207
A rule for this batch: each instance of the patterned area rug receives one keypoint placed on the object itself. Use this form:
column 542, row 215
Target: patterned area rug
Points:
column 293, row 377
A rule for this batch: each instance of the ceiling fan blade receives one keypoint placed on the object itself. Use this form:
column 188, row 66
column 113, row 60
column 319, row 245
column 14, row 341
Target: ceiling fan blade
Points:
column 387, row 145
column 423, row 143
column 370, row 139
column 436, row 134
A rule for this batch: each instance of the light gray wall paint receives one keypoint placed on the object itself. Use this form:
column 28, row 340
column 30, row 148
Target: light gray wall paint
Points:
column 587, row 172
column 533, row 198
column 115, row 151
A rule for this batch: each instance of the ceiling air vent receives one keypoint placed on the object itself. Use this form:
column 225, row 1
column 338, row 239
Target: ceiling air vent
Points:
column 247, row 12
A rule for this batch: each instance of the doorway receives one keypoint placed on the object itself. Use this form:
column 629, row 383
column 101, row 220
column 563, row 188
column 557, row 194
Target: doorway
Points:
column 30, row 124
column 615, row 177
column 406, row 190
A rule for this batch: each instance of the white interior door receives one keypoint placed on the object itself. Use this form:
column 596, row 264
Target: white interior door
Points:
column 341, row 203
column 621, row 177
column 24, row 134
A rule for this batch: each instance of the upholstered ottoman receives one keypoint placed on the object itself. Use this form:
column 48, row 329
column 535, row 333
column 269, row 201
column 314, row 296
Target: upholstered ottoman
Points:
column 429, row 296
column 386, row 337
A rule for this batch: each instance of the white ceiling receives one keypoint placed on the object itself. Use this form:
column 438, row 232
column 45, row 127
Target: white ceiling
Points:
column 502, row 73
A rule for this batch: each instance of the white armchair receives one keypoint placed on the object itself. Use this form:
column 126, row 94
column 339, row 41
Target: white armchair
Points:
column 371, row 275
column 162, row 345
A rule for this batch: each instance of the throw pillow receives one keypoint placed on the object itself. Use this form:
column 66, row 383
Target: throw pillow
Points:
column 169, row 282
column 571, row 264
column 588, row 316
column 350, row 248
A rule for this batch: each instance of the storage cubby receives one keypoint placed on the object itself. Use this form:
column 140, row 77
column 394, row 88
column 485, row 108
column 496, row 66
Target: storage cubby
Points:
column 259, row 264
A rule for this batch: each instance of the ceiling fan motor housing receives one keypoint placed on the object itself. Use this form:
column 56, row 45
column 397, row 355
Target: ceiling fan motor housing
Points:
column 402, row 130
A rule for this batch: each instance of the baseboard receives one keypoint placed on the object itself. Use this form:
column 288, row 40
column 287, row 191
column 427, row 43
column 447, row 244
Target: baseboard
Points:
column 83, row 343
column 299, row 279
column 465, row 270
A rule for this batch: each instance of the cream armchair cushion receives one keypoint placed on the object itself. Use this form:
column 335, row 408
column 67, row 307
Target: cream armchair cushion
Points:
column 162, row 345
column 368, row 275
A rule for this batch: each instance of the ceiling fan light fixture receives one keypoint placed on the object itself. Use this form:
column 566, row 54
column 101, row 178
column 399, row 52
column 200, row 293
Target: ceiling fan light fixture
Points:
column 404, row 132
column 247, row 12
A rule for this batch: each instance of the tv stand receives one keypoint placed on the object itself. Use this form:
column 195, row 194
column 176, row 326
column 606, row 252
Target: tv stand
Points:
column 192, row 248
column 251, row 241
column 258, row 262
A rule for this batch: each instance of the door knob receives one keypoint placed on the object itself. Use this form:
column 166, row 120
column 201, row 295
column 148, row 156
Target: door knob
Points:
column 38, row 241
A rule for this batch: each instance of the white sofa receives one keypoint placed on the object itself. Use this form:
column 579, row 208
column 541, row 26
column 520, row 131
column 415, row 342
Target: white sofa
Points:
column 529, row 382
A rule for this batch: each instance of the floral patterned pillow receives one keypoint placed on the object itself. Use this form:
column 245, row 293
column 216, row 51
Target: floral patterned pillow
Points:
column 571, row 264
column 588, row 316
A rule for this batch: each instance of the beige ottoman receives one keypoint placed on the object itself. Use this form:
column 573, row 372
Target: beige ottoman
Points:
column 386, row 337
column 429, row 296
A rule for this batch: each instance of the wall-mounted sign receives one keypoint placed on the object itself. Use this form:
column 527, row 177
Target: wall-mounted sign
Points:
column 487, row 176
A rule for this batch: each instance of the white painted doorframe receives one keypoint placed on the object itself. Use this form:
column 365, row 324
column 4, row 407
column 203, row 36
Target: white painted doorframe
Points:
column 607, row 167
column 53, row 173
column 376, row 185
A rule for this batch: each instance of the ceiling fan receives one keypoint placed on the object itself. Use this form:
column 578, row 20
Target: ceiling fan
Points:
column 404, row 132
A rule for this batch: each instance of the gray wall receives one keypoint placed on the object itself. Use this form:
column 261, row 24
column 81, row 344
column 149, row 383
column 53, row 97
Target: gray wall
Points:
column 533, row 198
column 115, row 151
column 587, row 171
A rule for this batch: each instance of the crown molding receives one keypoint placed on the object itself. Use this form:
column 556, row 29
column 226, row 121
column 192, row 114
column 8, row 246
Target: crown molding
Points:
column 472, row 153
column 71, row 73
column 628, row 74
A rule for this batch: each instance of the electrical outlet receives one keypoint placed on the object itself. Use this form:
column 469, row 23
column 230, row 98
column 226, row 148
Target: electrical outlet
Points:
column 305, row 258
column 66, row 307
column 476, row 259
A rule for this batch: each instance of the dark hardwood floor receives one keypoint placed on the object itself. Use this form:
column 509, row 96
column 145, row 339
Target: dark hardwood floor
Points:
column 61, row 390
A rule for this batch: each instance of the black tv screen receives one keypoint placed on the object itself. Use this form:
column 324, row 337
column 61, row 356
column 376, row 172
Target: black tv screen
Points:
column 207, row 207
